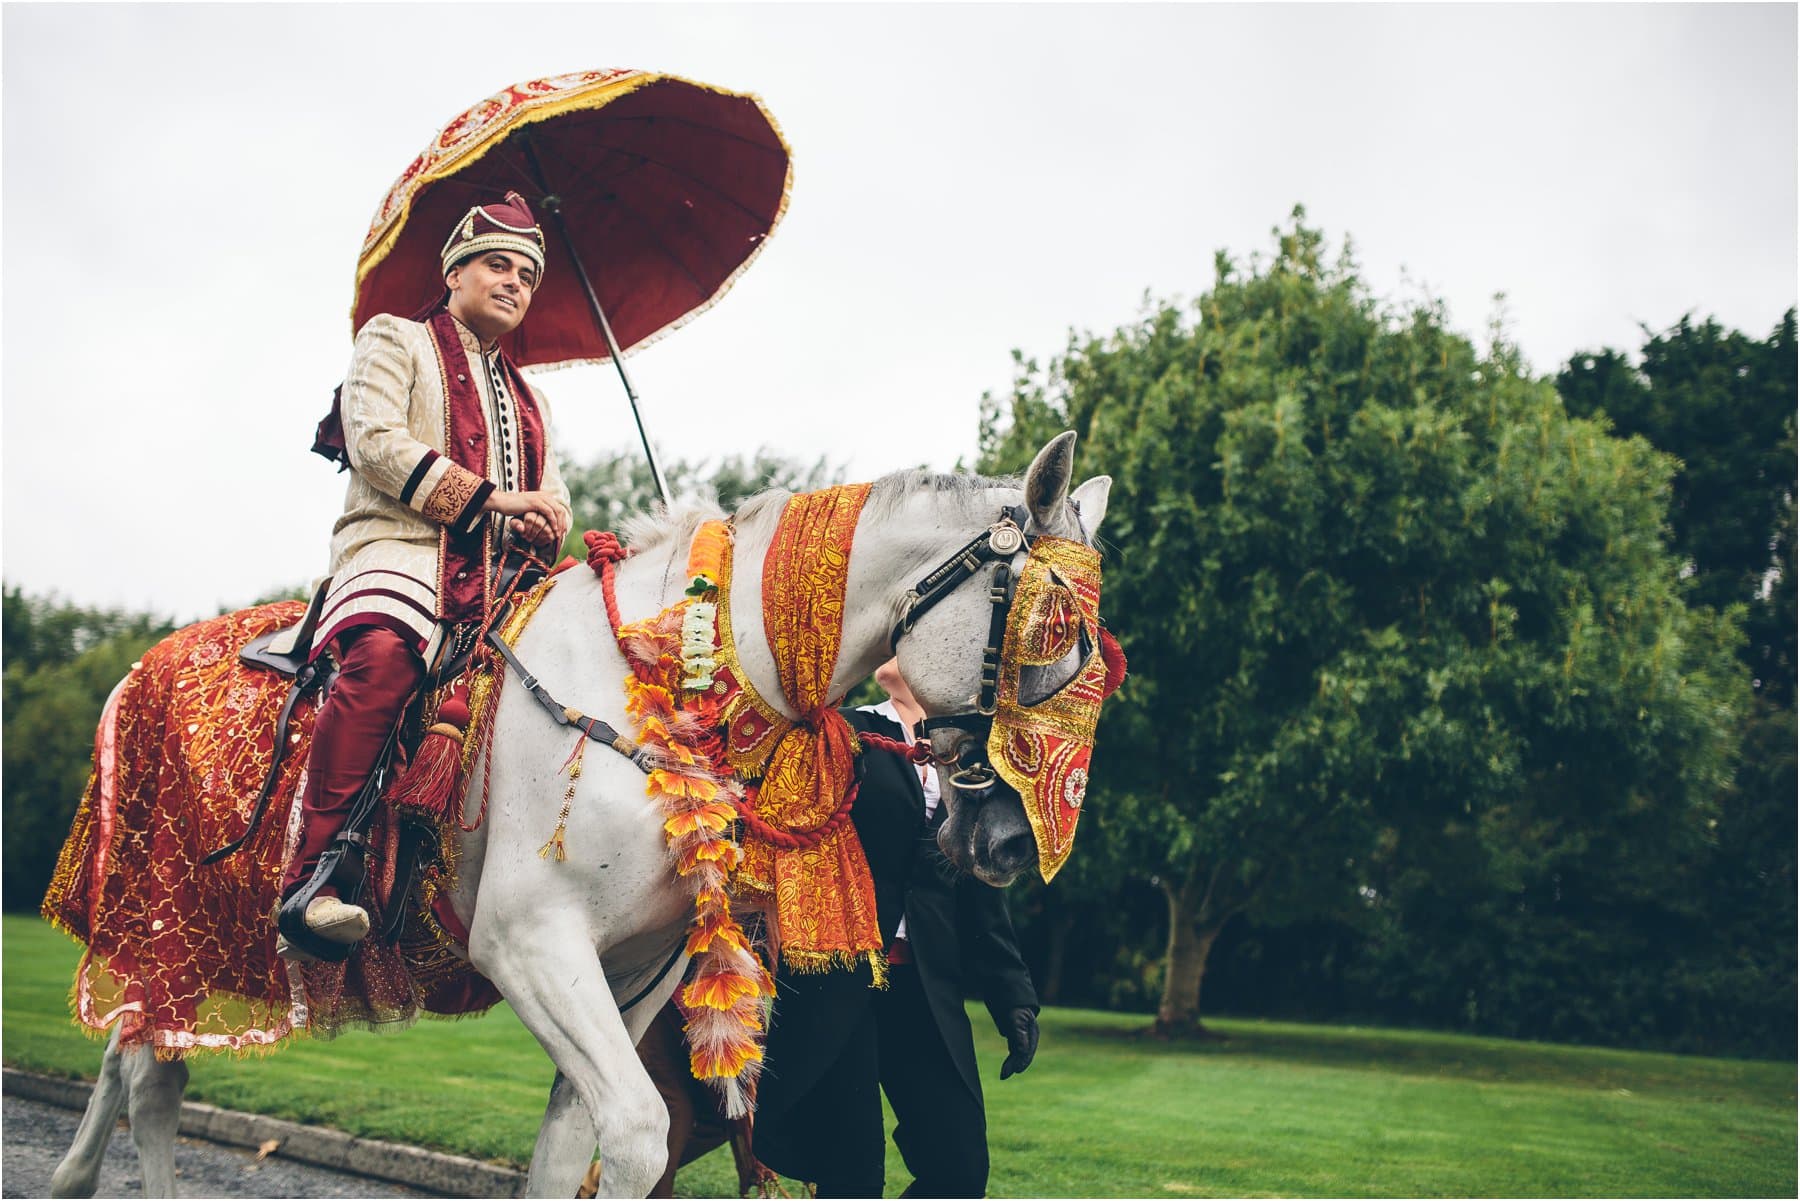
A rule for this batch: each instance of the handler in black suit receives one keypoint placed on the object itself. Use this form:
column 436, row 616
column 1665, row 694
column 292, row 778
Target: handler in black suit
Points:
column 834, row 1040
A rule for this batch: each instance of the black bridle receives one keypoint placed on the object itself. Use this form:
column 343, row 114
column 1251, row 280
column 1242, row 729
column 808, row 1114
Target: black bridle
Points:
column 997, row 545
column 967, row 765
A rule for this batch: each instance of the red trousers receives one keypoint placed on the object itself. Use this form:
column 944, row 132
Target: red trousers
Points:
column 377, row 672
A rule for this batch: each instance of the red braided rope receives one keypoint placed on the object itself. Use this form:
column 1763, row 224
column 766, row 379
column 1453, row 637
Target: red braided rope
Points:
column 918, row 752
column 484, row 749
column 526, row 559
column 787, row 840
column 484, row 658
column 605, row 551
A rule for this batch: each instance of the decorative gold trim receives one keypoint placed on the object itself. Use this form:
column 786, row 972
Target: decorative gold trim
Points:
column 747, row 767
column 452, row 495
column 451, row 254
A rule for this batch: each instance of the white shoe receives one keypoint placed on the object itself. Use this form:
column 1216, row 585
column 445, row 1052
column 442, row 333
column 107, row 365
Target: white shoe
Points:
column 334, row 921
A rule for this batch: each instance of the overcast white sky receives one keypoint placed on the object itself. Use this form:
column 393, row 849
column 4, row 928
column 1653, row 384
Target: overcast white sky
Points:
column 185, row 189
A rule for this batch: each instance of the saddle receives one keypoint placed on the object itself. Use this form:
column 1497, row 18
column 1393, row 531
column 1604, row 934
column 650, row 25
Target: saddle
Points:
column 288, row 652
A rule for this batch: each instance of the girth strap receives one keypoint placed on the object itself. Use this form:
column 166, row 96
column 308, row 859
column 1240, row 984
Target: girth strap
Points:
column 680, row 946
column 593, row 727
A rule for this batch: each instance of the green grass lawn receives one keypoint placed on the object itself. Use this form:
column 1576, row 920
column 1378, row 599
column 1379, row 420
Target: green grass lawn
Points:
column 1276, row 1109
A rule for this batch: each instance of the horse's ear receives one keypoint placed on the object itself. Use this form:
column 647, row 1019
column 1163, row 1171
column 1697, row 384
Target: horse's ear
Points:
column 1090, row 503
column 1047, row 482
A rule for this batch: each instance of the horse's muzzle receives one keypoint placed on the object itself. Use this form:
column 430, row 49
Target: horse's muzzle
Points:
column 985, row 834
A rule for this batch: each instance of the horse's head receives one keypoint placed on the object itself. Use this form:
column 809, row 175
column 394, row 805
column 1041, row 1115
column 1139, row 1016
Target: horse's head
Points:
column 1001, row 645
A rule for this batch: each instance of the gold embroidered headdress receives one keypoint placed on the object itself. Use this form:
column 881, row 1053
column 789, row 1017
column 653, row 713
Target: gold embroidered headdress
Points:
column 1043, row 749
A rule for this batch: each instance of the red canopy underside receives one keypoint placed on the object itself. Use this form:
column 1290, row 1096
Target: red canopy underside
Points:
column 666, row 191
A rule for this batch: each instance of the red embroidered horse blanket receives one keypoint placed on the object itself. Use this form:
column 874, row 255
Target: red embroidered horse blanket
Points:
column 183, row 955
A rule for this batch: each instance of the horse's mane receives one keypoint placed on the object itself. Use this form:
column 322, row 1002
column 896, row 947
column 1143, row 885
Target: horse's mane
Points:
column 967, row 494
column 645, row 531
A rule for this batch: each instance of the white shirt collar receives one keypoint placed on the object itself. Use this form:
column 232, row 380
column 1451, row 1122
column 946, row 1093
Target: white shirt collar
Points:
column 887, row 710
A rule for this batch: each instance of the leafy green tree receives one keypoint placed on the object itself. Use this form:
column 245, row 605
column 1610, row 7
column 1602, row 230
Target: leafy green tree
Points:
column 61, row 663
column 1723, row 403
column 1376, row 588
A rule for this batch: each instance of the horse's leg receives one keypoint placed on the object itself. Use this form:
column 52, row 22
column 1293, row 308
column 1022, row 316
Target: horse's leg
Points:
column 550, row 976
column 637, row 1020
column 567, row 1135
column 153, row 1090
column 78, row 1175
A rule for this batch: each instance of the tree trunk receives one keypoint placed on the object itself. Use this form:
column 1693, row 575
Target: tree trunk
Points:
column 1184, row 967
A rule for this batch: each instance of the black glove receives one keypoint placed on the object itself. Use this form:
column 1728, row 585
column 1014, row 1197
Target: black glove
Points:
column 1021, row 1031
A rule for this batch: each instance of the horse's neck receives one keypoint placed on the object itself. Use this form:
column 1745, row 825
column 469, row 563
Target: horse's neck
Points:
column 887, row 556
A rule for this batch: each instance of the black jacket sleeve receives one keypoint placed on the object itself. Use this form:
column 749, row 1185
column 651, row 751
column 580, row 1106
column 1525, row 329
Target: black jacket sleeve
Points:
column 992, row 965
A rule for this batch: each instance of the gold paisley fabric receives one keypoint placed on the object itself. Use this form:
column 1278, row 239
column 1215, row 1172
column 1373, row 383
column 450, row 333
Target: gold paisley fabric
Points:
column 824, row 898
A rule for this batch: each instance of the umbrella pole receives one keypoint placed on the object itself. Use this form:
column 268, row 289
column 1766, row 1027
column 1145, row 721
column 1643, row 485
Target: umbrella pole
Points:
column 612, row 347
column 553, row 205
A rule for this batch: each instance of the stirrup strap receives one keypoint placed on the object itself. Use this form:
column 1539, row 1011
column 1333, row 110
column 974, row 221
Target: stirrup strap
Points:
column 306, row 681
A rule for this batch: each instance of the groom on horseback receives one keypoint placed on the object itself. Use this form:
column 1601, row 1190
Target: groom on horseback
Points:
column 448, row 450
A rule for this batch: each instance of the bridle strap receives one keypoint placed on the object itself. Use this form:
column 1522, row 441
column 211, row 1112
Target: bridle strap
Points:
column 1000, row 594
column 592, row 727
column 999, row 542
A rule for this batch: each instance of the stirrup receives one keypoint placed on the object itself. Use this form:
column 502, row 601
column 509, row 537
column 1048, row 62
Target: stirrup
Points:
column 343, row 858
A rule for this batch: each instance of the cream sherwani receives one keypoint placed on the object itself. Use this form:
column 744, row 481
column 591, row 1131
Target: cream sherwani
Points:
column 404, row 489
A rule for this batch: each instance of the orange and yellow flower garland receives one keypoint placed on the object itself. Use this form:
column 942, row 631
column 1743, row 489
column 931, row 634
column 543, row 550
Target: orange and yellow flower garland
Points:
column 723, row 998
column 714, row 735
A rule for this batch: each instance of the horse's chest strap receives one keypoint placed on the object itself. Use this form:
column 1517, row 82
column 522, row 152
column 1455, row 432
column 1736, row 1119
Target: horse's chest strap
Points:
column 593, row 727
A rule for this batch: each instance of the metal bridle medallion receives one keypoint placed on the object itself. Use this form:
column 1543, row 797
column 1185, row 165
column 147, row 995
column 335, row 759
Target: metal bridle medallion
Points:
column 1005, row 538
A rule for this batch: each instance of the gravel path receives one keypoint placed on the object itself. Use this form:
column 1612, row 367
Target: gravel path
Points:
column 36, row 1136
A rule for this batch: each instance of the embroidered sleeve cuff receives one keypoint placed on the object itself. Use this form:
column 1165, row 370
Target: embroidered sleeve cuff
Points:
column 457, row 498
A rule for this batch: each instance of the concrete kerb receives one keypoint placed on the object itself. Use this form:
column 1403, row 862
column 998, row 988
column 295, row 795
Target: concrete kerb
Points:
column 429, row 1171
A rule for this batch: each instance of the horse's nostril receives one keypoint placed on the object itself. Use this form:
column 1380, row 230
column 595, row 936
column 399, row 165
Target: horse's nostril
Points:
column 1013, row 852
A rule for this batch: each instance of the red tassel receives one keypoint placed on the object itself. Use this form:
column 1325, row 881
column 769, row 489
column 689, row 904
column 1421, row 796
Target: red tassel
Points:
column 1115, row 663
column 430, row 778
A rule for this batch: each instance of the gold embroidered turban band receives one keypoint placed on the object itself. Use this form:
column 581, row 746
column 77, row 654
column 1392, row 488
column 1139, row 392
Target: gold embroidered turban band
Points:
column 508, row 225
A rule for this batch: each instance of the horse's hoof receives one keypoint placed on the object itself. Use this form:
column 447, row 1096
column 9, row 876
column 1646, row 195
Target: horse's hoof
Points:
column 335, row 921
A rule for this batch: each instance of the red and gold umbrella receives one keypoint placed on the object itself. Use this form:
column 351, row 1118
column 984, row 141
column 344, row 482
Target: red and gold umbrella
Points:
column 655, row 191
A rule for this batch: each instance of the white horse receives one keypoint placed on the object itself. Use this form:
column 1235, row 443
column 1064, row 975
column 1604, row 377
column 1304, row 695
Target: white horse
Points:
column 565, row 941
